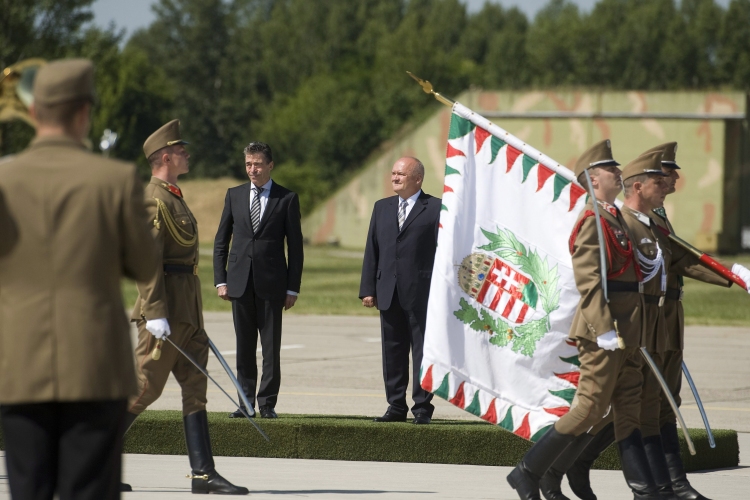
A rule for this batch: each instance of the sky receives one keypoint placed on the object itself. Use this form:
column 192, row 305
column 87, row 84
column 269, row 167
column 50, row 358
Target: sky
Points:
column 134, row 14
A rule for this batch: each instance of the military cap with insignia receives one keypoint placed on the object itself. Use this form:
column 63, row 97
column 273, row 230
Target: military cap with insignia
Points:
column 647, row 163
column 167, row 135
column 598, row 155
column 669, row 154
column 64, row 81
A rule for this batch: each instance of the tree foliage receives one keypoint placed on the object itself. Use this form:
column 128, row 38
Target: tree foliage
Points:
column 323, row 81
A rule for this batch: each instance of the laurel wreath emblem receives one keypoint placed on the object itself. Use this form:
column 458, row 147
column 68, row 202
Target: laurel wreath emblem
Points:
column 522, row 339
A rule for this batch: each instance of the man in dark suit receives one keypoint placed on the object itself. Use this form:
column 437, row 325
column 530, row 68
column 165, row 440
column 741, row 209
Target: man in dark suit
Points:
column 396, row 275
column 257, row 217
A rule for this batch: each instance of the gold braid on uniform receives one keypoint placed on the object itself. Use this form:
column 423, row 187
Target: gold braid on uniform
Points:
column 172, row 226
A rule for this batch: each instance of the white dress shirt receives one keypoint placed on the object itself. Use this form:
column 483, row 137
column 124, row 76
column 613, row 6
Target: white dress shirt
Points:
column 263, row 203
column 410, row 202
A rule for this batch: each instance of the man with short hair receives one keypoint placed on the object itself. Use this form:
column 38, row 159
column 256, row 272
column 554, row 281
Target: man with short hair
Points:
column 396, row 275
column 169, row 304
column 255, row 275
column 71, row 225
column 607, row 330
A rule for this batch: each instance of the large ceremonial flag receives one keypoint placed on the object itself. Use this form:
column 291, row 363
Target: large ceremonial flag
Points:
column 503, row 296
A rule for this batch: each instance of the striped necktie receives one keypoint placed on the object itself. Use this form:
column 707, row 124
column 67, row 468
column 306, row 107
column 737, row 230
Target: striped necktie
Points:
column 402, row 214
column 255, row 208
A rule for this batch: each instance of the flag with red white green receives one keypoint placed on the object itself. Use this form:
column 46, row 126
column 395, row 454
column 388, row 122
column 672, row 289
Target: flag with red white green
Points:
column 503, row 296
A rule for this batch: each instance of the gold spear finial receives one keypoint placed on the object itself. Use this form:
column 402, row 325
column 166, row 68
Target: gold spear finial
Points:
column 427, row 87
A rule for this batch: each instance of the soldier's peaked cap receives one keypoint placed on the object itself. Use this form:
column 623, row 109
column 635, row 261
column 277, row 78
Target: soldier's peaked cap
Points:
column 598, row 155
column 668, row 152
column 64, row 81
column 167, row 135
column 647, row 163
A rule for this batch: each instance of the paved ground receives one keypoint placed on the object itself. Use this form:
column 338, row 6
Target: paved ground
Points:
column 331, row 365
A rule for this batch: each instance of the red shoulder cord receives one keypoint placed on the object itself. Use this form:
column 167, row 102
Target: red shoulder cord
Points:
column 625, row 256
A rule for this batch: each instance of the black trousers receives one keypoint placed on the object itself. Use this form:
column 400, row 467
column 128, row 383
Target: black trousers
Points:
column 252, row 316
column 401, row 330
column 74, row 449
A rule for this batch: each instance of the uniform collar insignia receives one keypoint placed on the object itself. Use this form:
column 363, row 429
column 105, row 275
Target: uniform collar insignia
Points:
column 645, row 219
column 172, row 189
column 661, row 212
column 609, row 208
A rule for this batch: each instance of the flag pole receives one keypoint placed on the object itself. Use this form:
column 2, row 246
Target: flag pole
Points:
column 427, row 87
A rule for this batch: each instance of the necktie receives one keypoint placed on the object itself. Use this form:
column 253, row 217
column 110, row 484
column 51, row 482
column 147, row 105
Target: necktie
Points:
column 255, row 208
column 402, row 214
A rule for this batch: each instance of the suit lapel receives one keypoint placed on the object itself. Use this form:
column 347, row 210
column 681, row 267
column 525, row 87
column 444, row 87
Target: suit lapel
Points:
column 419, row 207
column 244, row 201
column 273, row 200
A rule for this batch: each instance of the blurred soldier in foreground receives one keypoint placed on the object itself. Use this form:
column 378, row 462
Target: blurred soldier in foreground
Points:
column 169, row 304
column 71, row 225
column 608, row 335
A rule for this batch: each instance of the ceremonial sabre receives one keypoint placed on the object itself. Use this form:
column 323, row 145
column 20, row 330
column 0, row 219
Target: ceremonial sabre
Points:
column 230, row 374
column 670, row 398
column 708, row 261
column 602, row 250
column 204, row 372
column 711, row 441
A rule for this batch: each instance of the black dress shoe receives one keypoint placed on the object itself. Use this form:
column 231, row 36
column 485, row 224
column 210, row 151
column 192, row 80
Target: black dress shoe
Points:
column 238, row 414
column 267, row 412
column 214, row 483
column 125, row 487
column 421, row 419
column 390, row 417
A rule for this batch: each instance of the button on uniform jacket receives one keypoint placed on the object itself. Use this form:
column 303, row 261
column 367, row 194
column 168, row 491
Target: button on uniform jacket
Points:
column 176, row 297
column 73, row 224
column 401, row 259
column 264, row 250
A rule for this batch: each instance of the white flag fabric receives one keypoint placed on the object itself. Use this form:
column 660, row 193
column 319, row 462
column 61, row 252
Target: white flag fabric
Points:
column 503, row 296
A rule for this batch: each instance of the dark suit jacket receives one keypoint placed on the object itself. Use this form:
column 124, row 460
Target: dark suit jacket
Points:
column 403, row 258
column 264, row 250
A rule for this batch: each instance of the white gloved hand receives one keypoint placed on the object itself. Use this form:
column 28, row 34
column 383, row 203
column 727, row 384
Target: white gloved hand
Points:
column 743, row 273
column 608, row 341
column 158, row 327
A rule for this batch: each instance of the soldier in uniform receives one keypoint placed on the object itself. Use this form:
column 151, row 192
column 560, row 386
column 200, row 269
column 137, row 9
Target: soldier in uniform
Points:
column 71, row 225
column 609, row 375
column 169, row 304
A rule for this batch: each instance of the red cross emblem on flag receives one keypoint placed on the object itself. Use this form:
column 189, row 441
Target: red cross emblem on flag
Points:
column 502, row 292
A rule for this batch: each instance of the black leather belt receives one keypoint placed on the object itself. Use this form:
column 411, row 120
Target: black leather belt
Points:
column 178, row 269
column 652, row 299
column 674, row 293
column 622, row 286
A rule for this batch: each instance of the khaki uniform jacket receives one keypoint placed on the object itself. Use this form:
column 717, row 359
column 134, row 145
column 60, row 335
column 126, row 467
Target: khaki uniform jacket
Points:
column 594, row 316
column 176, row 297
column 683, row 264
column 74, row 225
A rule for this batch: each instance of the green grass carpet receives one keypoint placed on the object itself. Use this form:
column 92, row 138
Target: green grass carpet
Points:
column 358, row 438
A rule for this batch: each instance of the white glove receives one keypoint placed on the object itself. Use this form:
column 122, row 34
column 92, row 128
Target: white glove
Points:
column 607, row 341
column 743, row 273
column 158, row 327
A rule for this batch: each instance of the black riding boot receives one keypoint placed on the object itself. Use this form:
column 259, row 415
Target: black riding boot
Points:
column 578, row 473
column 527, row 474
column 550, row 483
column 680, row 484
column 635, row 468
column 129, row 419
column 204, row 475
column 658, row 463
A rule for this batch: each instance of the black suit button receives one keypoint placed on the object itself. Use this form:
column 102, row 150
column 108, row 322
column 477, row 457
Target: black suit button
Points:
column 394, row 276
column 398, row 241
column 397, row 257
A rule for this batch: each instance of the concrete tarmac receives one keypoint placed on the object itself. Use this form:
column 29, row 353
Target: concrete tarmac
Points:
column 332, row 365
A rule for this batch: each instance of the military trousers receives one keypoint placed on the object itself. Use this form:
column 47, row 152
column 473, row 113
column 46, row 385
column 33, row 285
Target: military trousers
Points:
column 673, row 375
column 153, row 374
column 609, row 387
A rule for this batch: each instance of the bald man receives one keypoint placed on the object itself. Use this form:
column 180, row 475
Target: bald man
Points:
column 396, row 276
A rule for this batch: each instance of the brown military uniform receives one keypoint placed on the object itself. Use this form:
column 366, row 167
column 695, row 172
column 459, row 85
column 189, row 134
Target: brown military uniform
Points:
column 68, row 237
column 683, row 264
column 173, row 293
column 607, row 377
